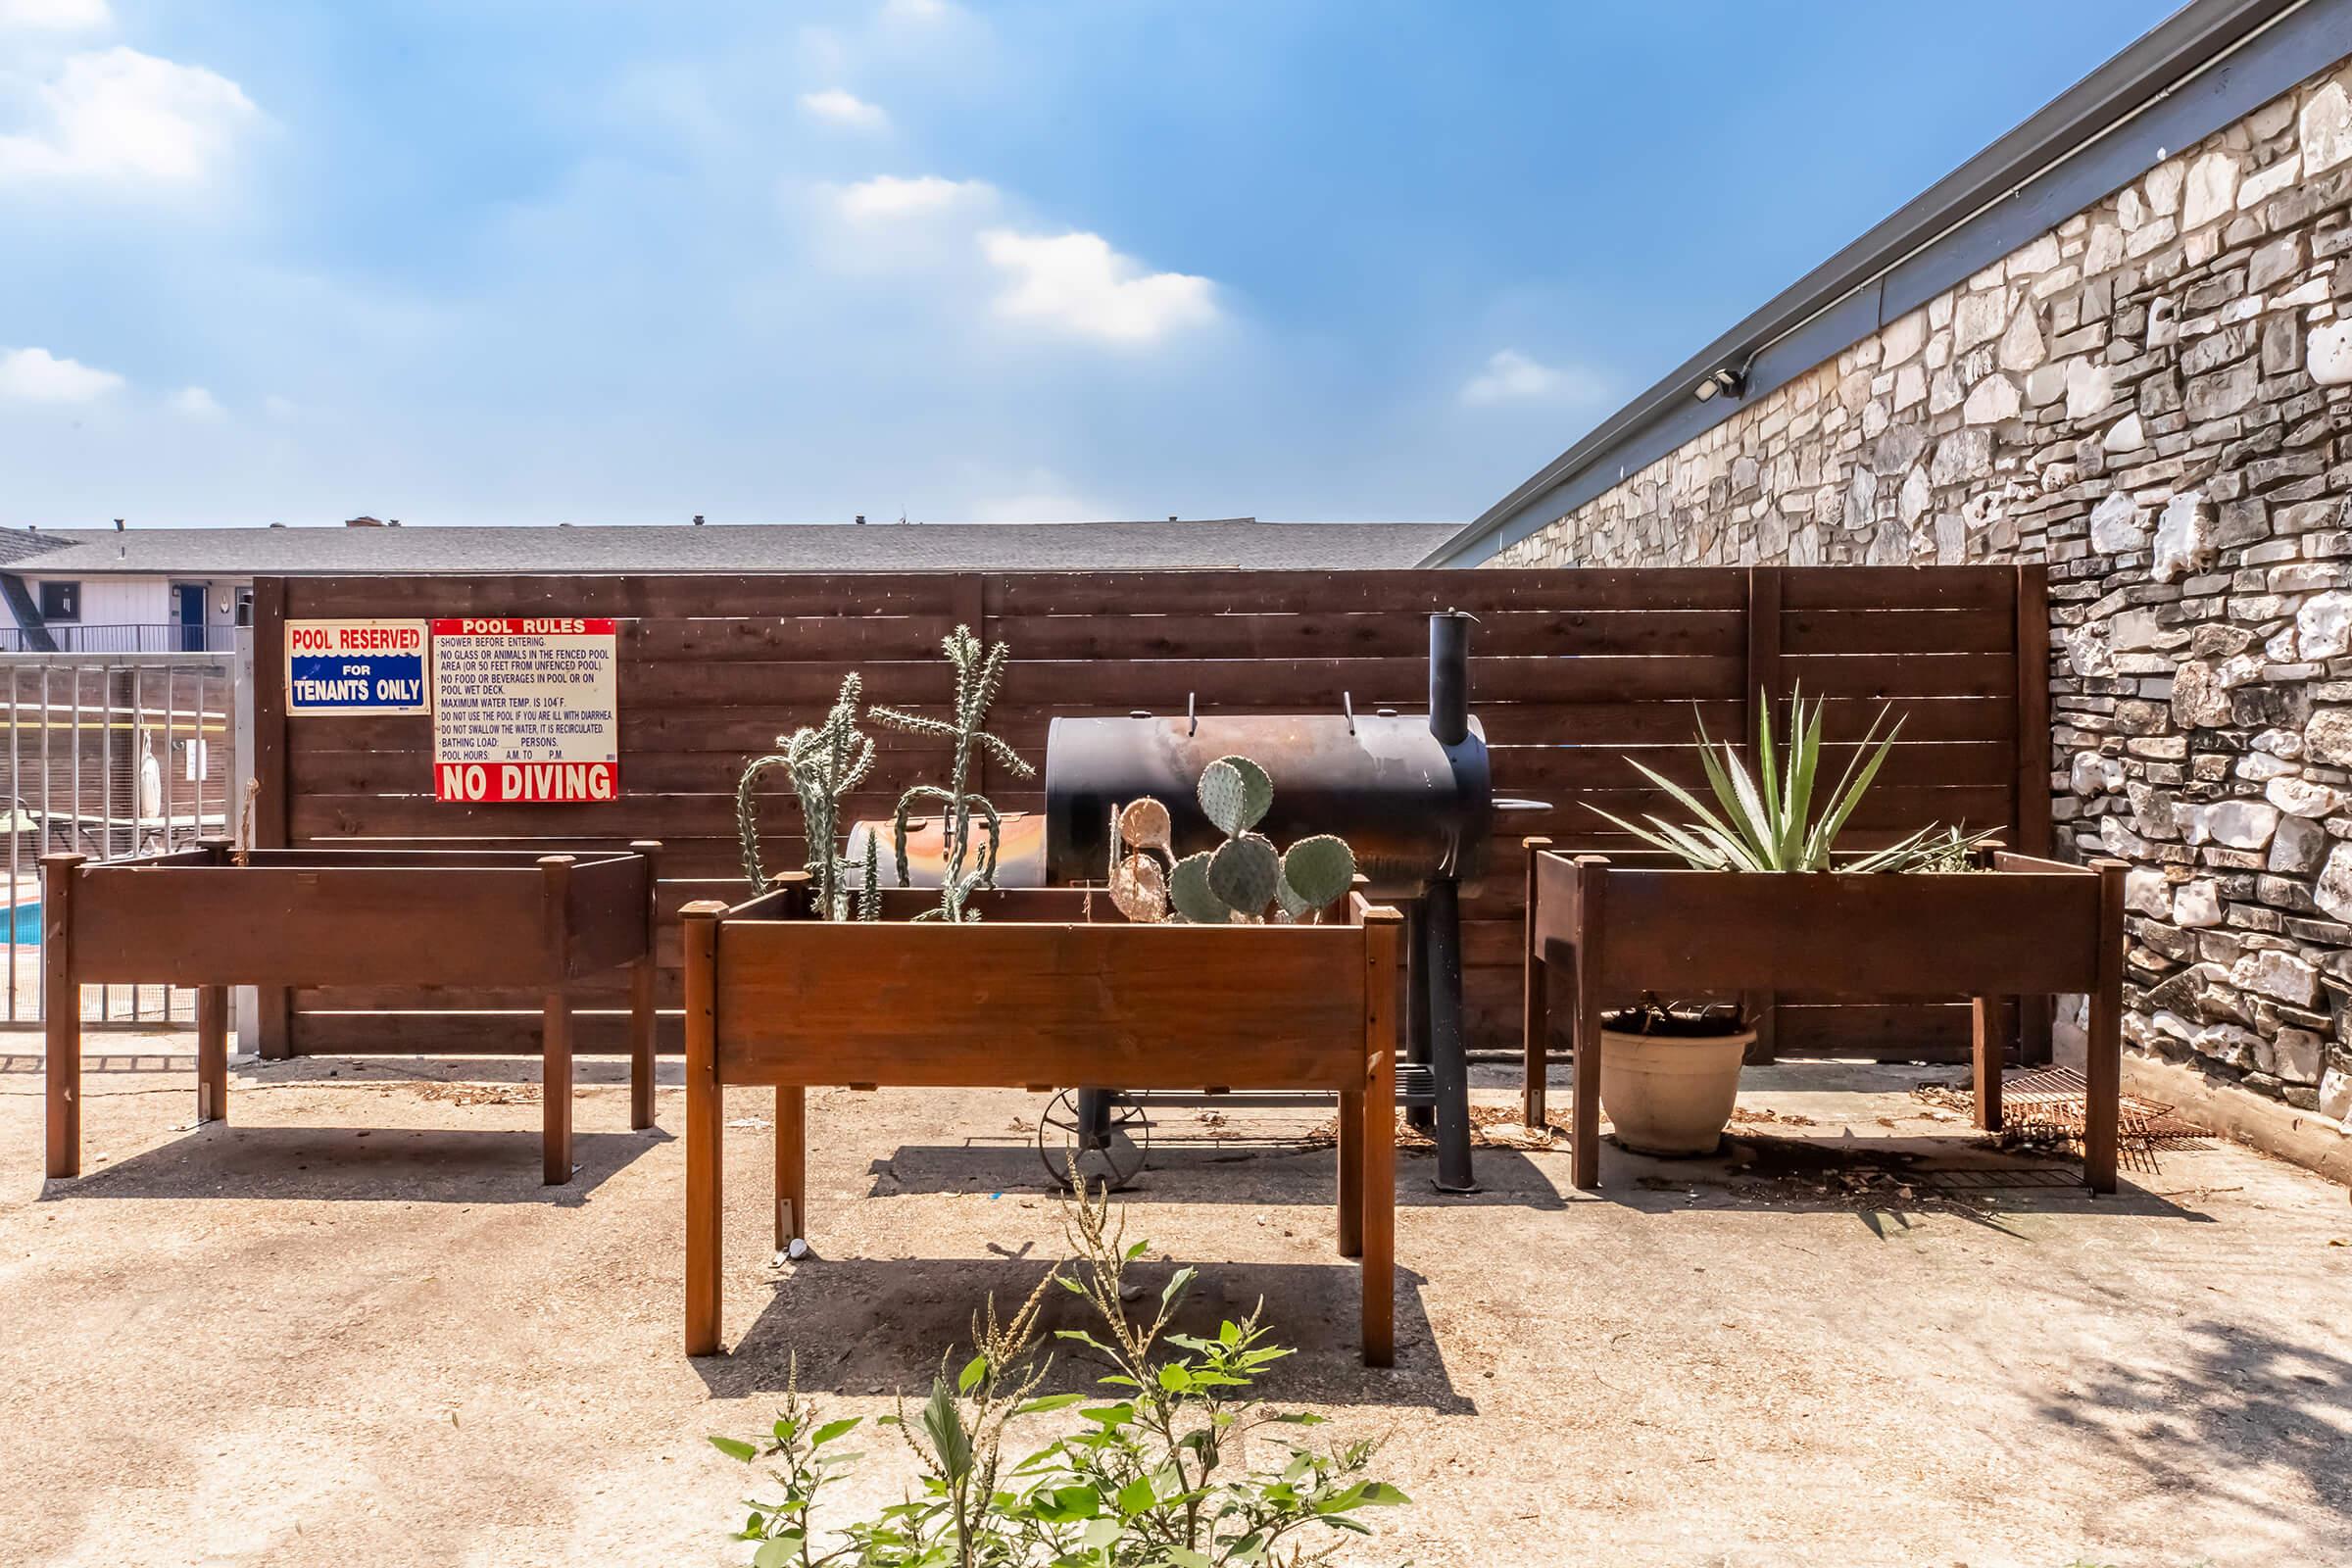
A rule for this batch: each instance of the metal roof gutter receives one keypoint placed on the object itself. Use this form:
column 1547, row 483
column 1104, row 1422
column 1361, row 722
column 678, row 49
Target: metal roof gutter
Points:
column 2209, row 64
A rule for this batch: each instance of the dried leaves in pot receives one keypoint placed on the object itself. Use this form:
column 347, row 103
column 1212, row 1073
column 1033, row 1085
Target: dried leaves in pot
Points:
column 1677, row 1020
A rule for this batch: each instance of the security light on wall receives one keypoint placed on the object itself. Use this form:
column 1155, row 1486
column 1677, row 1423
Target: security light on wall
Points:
column 1725, row 379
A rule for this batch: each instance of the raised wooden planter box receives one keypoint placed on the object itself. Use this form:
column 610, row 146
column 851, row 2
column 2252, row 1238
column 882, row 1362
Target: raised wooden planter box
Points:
column 1598, row 934
column 331, row 917
column 1034, row 996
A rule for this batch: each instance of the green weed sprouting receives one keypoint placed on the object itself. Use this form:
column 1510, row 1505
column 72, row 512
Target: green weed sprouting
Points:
column 1156, row 1473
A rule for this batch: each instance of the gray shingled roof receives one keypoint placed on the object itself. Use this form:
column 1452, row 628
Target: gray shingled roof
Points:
column 1242, row 542
column 17, row 544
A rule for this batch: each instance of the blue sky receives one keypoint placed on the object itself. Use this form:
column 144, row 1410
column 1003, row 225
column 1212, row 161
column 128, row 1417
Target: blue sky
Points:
column 612, row 260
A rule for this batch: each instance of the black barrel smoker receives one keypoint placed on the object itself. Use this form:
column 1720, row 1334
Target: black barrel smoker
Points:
column 1411, row 795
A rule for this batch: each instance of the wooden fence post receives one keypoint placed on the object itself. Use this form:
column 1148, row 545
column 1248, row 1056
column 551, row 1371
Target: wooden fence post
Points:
column 642, row 998
column 2031, row 830
column 1764, row 689
column 274, row 1005
column 555, row 1041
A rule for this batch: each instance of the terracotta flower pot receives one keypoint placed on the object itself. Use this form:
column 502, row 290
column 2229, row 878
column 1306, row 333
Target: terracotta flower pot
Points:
column 1669, row 1095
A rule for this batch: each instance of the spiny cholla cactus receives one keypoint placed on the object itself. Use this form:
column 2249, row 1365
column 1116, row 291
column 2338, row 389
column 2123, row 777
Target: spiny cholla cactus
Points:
column 977, row 678
column 1235, row 883
column 824, row 764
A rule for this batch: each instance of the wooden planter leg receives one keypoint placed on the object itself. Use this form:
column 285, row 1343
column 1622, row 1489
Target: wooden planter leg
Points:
column 211, row 1054
column 1585, row 1134
column 1351, row 1173
column 211, row 1021
column 642, row 976
column 1535, row 1025
column 62, row 1015
column 706, row 1111
column 555, row 1126
column 792, row 1164
column 1378, row 1273
column 1985, row 1053
column 554, row 1044
column 641, row 1045
column 2103, row 1066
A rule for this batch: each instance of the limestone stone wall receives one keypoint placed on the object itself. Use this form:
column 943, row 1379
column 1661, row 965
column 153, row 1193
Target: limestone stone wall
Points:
column 2153, row 398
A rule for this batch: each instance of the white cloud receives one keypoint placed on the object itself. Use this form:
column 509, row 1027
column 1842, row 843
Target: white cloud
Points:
column 117, row 113
column 838, row 108
column 1511, row 376
column 1039, row 496
column 195, row 402
column 60, row 15
column 1077, row 283
column 917, row 12
column 35, row 375
column 886, row 197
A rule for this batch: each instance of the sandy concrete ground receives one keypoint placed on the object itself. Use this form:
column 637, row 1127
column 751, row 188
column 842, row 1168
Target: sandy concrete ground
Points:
column 352, row 1327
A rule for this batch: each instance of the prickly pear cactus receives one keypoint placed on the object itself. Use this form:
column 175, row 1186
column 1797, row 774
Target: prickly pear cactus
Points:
column 1235, row 794
column 1140, row 860
column 1139, row 889
column 1246, row 879
column 1188, row 891
column 1316, row 872
column 1244, row 873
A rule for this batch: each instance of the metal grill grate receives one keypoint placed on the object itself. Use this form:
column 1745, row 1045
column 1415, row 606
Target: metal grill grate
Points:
column 2046, row 1107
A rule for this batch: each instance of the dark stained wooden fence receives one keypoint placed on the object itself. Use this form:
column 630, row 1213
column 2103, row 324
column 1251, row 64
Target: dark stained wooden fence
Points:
column 1572, row 672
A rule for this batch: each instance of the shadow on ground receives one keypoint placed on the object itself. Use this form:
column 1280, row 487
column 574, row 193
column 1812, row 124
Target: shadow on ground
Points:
column 2239, row 1401
column 356, row 1165
column 1881, row 1180
column 1203, row 1171
column 909, row 1312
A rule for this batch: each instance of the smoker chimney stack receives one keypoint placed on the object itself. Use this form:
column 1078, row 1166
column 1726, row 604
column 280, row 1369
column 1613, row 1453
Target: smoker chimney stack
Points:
column 1449, row 676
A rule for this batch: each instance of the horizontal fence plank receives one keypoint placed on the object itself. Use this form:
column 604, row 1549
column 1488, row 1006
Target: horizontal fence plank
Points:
column 1535, row 770
column 1898, row 588
column 1312, row 634
column 1092, row 593
column 1986, row 630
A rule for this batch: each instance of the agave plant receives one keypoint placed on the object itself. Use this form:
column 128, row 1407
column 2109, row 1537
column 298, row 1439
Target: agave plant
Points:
column 1766, row 820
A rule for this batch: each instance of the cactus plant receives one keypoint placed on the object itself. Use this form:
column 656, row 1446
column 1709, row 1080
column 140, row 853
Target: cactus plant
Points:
column 977, row 678
column 1247, row 874
column 1235, row 794
column 1138, row 878
column 1236, row 882
column 826, row 762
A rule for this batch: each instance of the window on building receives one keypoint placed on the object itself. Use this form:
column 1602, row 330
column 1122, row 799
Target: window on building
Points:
column 61, row 601
column 244, row 607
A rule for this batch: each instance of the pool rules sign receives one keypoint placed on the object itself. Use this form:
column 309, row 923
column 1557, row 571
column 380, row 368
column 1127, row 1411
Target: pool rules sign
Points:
column 524, row 709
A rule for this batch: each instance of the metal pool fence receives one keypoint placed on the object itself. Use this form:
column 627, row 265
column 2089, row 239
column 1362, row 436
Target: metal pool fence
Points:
column 111, row 755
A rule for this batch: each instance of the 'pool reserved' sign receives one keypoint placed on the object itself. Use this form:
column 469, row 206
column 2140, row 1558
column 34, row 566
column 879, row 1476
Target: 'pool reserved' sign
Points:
column 356, row 667
column 525, row 709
